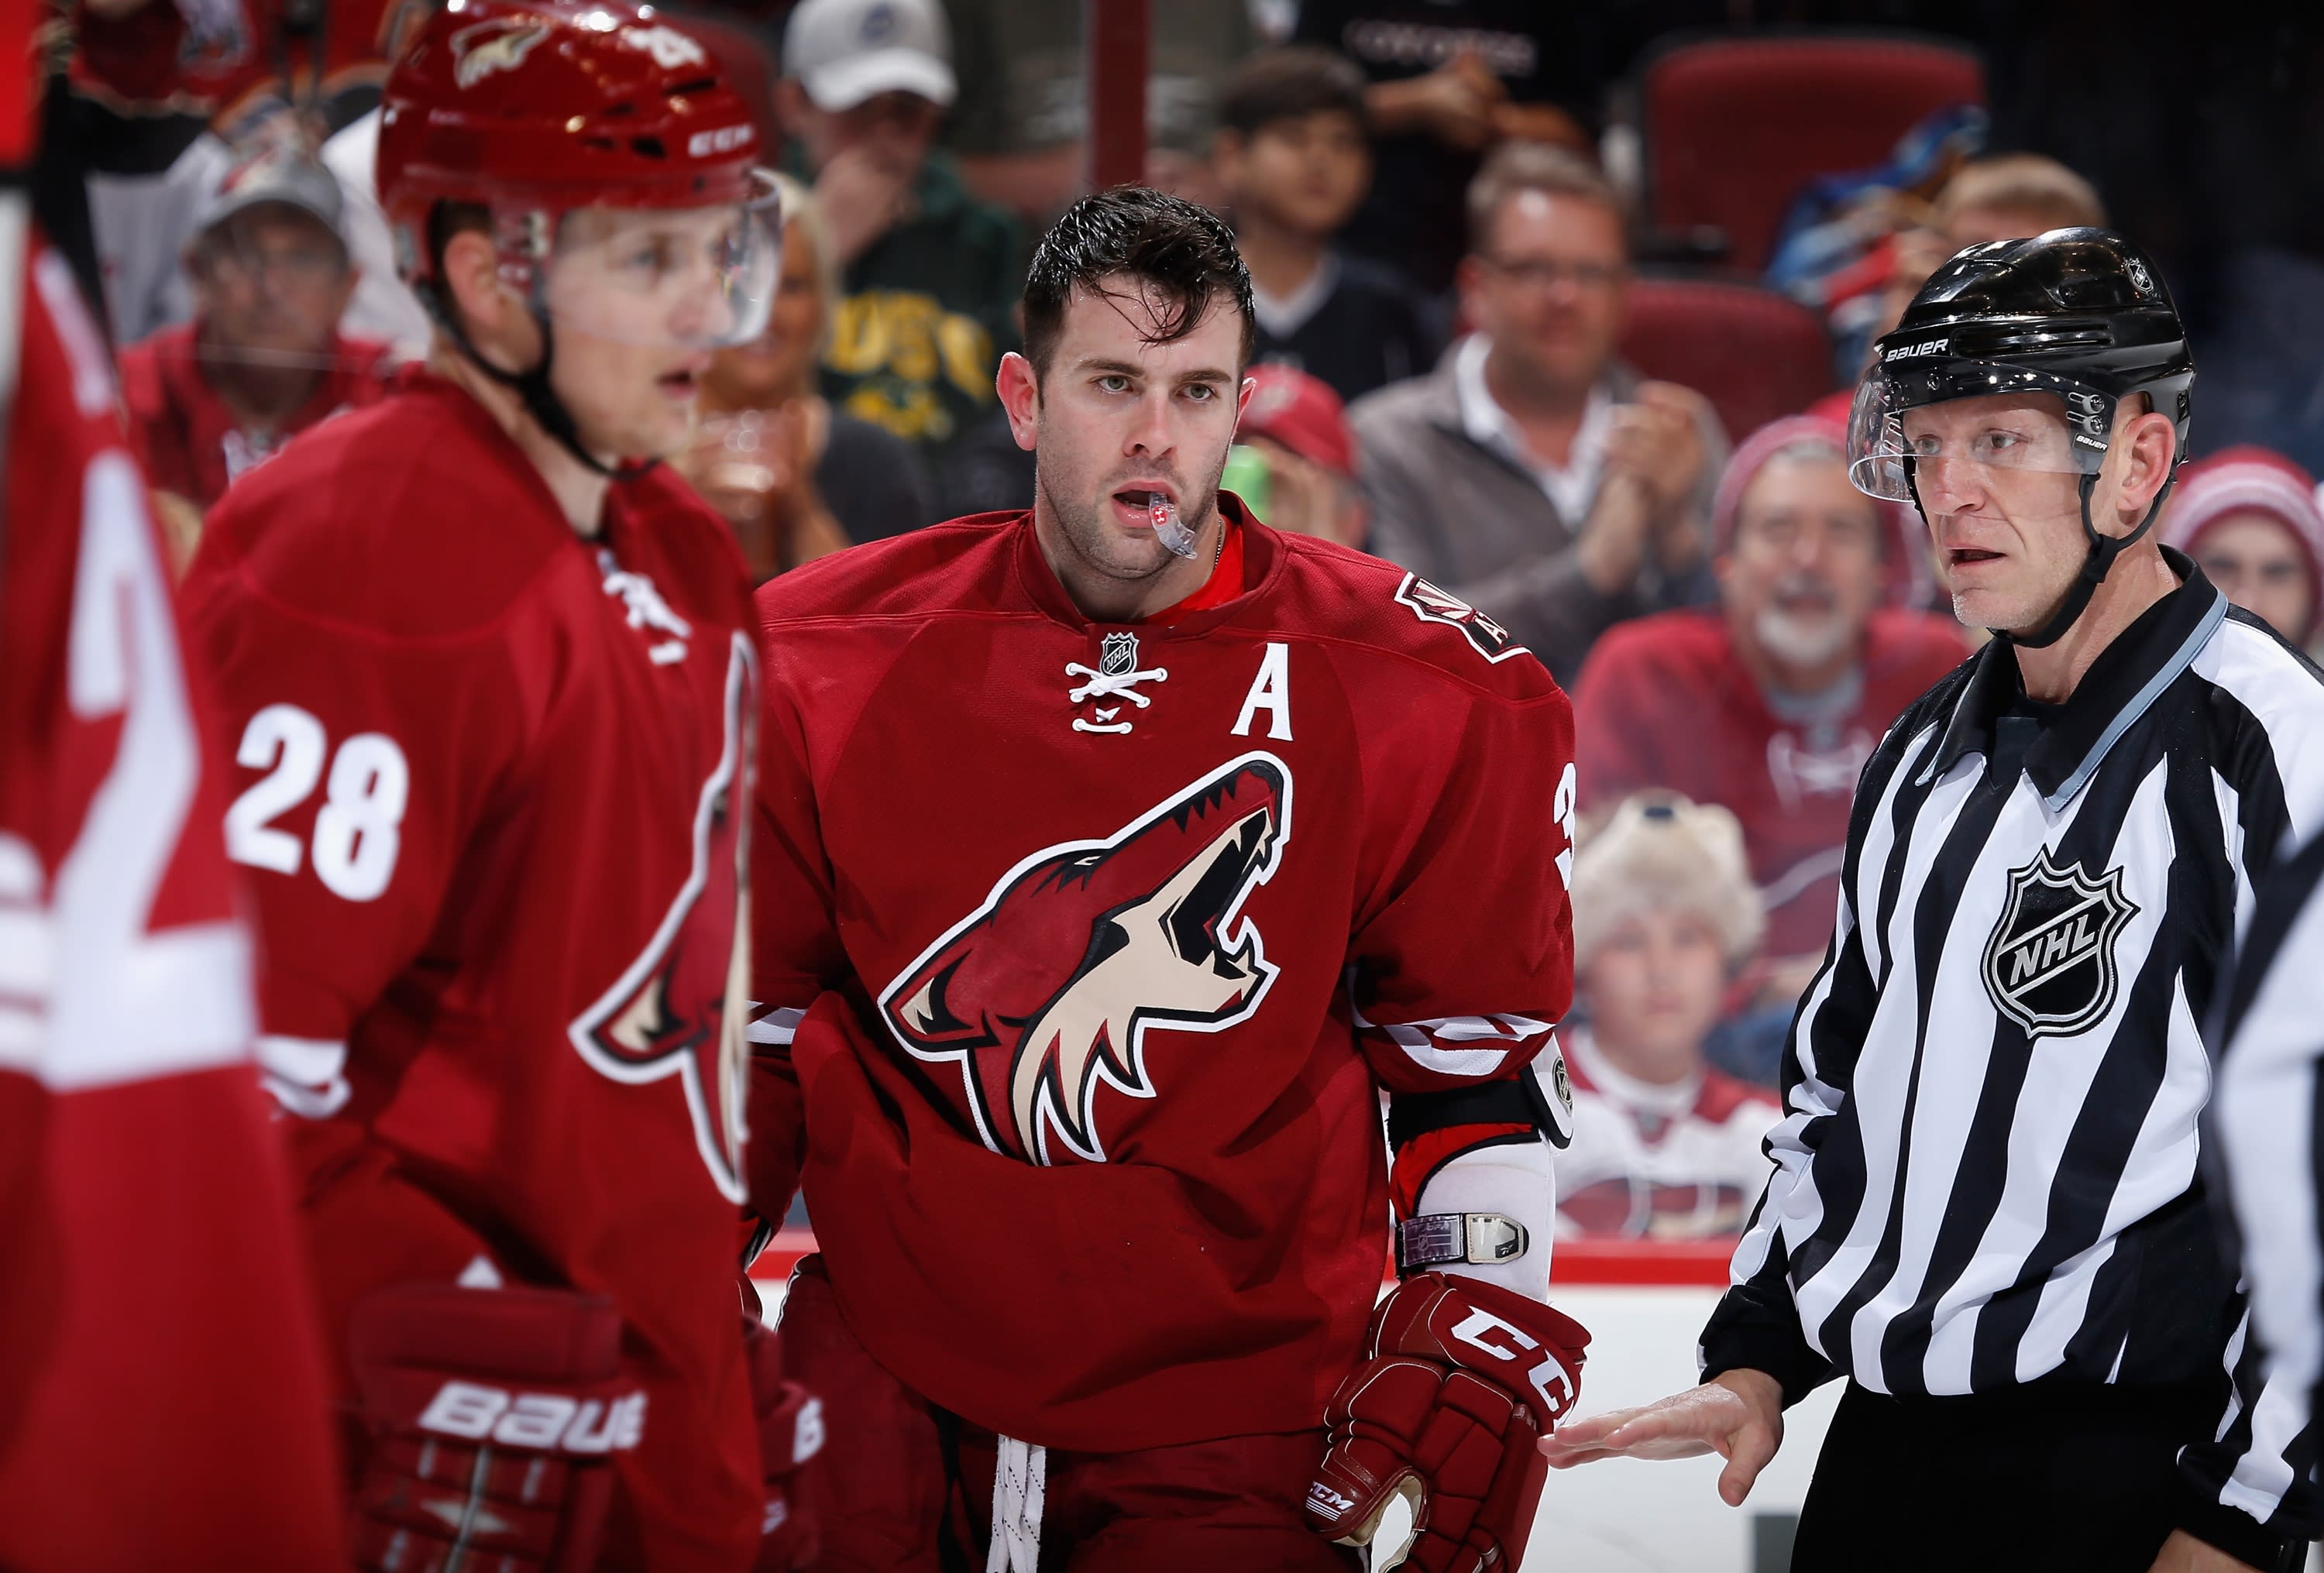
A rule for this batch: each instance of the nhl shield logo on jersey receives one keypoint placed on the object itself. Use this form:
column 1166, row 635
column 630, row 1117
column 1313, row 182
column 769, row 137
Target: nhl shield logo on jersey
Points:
column 2050, row 966
column 1052, row 986
column 681, row 1010
column 1431, row 604
column 1117, row 655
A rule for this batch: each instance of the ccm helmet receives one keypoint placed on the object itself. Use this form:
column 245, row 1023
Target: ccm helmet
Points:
column 554, row 119
column 2076, row 313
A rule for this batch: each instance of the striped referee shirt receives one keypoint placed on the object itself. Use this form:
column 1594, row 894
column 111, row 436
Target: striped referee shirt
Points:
column 1986, row 1172
column 2263, row 1135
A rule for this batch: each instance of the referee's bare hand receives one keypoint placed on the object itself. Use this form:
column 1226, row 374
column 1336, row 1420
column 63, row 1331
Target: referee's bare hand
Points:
column 1738, row 1415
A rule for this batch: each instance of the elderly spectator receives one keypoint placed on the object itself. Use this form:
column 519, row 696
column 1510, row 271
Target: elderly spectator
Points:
column 1292, row 161
column 1295, row 461
column 794, row 476
column 262, row 358
column 1665, row 1146
column 2249, row 519
column 1533, row 474
column 929, row 275
column 1770, row 703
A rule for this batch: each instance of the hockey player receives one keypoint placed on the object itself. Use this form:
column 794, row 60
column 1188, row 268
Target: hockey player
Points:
column 491, row 682
column 134, row 1142
column 1113, row 856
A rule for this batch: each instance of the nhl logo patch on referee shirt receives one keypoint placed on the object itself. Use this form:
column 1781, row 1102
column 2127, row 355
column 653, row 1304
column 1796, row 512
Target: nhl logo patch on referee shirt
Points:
column 2050, row 966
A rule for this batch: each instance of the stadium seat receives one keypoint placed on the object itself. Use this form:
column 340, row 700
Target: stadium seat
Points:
column 1734, row 126
column 1753, row 352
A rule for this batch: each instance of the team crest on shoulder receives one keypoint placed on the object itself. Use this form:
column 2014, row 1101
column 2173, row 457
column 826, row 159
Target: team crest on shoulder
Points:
column 1431, row 604
column 2050, row 966
column 1051, row 986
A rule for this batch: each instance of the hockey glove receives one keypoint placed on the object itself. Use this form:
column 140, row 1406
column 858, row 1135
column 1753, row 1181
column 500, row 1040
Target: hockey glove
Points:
column 492, row 1416
column 790, row 1433
column 1459, row 1381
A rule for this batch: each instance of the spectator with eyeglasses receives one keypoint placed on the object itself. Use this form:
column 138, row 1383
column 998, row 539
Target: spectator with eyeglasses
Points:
column 1533, row 473
column 262, row 359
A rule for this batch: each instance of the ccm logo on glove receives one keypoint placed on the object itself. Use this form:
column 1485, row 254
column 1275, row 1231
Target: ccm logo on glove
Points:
column 1480, row 1326
column 545, row 1421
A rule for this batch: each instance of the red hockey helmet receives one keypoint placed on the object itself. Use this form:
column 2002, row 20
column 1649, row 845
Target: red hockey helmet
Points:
column 538, row 110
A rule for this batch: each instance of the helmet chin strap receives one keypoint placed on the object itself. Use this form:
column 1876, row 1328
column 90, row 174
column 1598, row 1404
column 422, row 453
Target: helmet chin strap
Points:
column 531, row 388
column 2103, row 550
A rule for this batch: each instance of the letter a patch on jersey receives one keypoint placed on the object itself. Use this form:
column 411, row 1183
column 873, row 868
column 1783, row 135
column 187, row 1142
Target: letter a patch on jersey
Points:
column 681, row 1010
column 2050, row 966
column 1050, row 987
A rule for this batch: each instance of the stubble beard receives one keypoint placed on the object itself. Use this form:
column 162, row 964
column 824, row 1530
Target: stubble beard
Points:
column 1091, row 536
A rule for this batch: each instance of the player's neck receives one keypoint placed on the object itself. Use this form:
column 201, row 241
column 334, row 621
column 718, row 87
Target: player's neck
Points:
column 1103, row 597
column 579, row 490
column 1281, row 260
column 2139, row 579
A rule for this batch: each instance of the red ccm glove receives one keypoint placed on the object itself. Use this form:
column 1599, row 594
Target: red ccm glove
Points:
column 1458, row 1382
column 790, row 1433
column 492, row 1417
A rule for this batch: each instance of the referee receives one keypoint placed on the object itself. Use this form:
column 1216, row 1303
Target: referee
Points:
column 1985, row 1211
column 2263, row 1133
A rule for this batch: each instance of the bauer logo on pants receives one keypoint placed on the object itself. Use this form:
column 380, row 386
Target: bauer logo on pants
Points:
column 2050, row 966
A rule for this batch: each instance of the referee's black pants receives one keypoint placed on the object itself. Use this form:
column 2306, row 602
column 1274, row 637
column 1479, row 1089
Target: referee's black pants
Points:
column 2061, row 1479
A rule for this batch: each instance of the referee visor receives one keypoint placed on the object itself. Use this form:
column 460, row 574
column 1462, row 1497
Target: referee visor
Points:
column 2037, row 422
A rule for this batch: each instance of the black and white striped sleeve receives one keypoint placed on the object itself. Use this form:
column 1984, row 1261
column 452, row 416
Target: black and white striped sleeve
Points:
column 2262, row 1132
column 1756, row 1324
column 2260, row 1128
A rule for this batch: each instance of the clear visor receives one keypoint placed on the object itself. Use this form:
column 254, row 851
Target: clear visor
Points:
column 1971, row 424
column 676, row 278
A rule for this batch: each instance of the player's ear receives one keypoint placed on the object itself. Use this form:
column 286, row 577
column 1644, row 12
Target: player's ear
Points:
column 1020, row 387
column 495, row 320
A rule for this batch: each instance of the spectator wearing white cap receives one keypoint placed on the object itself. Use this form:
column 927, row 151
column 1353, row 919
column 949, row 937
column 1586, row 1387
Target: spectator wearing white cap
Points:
column 929, row 275
column 1665, row 1146
column 263, row 358
column 2248, row 516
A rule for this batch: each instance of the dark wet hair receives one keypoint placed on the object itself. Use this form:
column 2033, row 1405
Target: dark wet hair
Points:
column 1183, row 252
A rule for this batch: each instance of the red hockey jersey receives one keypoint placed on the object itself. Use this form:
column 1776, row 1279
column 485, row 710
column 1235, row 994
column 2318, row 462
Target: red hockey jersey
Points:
column 490, row 785
column 1085, row 951
column 1665, row 702
column 134, row 1145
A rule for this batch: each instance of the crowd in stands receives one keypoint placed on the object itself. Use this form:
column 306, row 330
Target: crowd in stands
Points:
column 1442, row 225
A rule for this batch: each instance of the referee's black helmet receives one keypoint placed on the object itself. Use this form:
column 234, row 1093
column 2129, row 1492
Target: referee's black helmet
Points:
column 2080, row 314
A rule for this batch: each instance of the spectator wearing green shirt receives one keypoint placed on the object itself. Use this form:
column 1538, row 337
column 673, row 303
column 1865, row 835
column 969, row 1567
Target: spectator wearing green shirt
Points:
column 928, row 273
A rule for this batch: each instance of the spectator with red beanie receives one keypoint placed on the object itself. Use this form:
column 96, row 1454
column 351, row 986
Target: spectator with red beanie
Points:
column 262, row 359
column 1769, row 703
column 2249, row 518
column 1302, row 455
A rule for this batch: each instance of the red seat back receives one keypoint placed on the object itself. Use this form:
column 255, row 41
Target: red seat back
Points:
column 1734, row 127
column 1754, row 353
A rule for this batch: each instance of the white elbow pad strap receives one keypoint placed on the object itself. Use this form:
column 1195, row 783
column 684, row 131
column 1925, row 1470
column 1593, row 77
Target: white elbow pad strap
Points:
column 1440, row 1239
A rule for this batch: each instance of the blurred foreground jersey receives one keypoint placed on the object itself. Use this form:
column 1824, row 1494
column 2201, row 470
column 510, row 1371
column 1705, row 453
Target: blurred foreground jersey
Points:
column 491, row 795
column 135, row 1150
column 1085, row 951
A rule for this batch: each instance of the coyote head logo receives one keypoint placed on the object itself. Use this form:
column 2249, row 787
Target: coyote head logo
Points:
column 1051, row 986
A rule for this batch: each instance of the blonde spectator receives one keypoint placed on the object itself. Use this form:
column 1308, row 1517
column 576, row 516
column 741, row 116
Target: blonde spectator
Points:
column 2012, row 196
column 1665, row 1146
column 795, row 477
